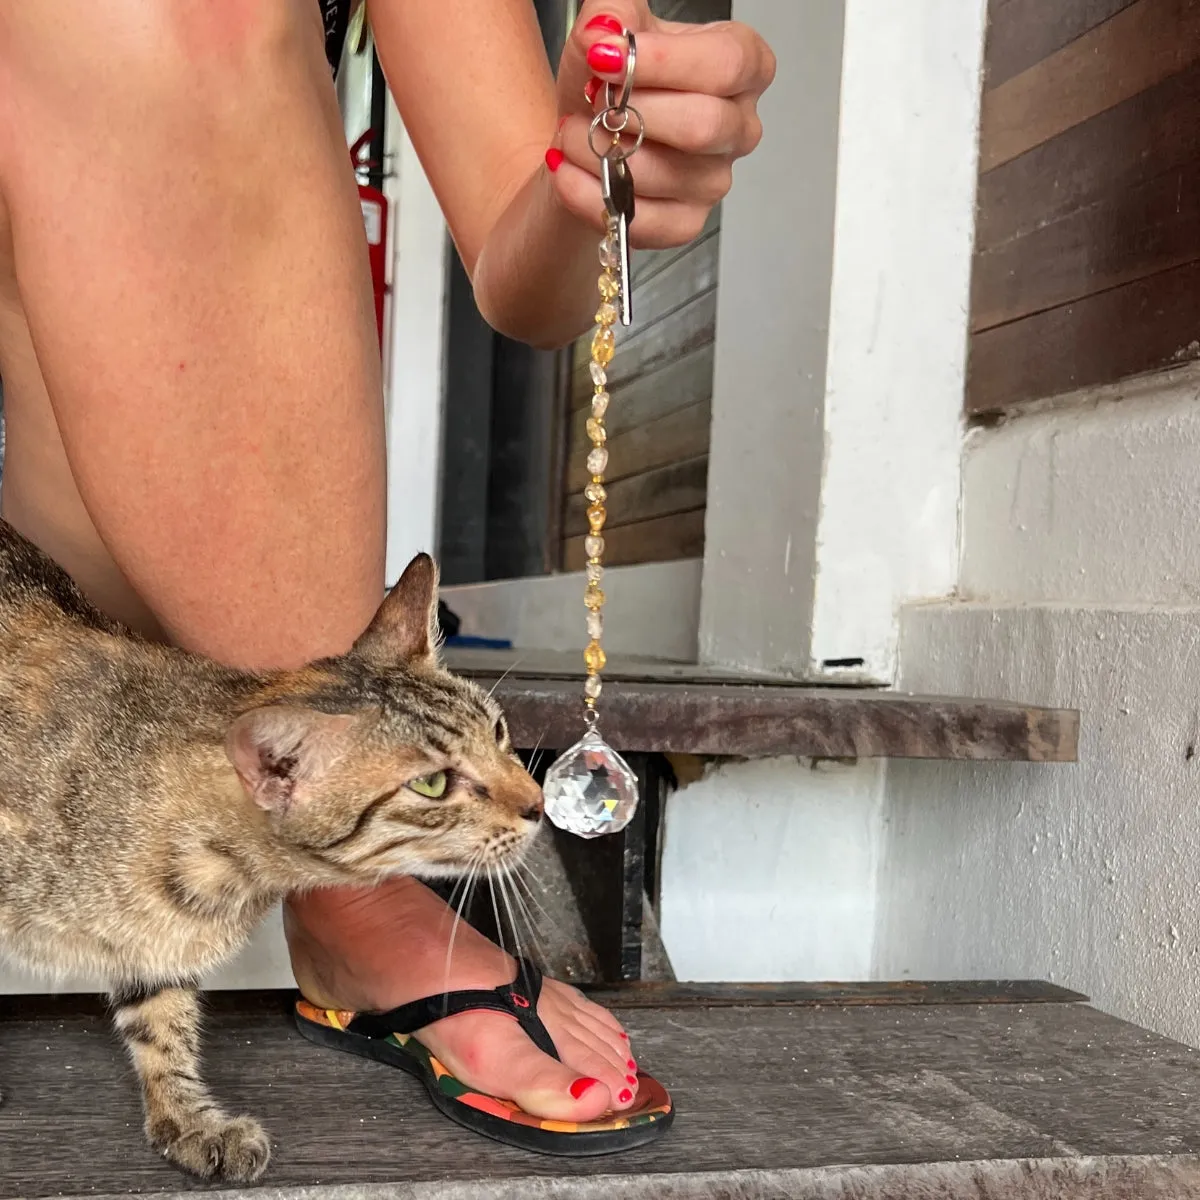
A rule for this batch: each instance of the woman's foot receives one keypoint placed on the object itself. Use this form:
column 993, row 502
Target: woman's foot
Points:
column 372, row 950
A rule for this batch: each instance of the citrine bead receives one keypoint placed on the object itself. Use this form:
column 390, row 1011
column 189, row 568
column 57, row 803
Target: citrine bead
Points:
column 592, row 687
column 600, row 404
column 593, row 545
column 609, row 287
column 596, row 431
column 599, row 378
column 597, row 495
column 597, row 460
column 594, row 656
column 606, row 314
column 595, row 625
column 595, row 516
column 593, row 597
column 603, row 346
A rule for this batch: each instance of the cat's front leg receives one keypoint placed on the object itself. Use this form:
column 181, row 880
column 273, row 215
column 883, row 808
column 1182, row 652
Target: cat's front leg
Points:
column 161, row 1029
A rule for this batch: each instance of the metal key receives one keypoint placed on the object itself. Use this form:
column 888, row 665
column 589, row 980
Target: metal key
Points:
column 616, row 182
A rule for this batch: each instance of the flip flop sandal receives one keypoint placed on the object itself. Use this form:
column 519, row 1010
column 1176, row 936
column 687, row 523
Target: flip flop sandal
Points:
column 388, row 1038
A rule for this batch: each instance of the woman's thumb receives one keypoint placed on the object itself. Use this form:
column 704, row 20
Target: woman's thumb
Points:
column 601, row 23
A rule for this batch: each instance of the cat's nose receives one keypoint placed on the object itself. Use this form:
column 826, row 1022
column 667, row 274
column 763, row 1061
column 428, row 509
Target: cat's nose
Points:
column 533, row 811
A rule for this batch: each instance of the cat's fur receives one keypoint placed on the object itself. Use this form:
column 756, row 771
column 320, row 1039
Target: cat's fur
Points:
column 154, row 805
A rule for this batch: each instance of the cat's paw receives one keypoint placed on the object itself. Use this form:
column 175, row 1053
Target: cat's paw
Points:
column 213, row 1146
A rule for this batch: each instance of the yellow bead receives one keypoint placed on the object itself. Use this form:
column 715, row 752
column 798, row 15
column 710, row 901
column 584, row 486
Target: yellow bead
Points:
column 596, row 431
column 606, row 314
column 593, row 597
column 594, row 657
column 609, row 287
column 597, row 495
column 595, row 516
column 603, row 346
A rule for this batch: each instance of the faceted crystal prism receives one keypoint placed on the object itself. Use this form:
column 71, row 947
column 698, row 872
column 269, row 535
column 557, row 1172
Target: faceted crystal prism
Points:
column 590, row 790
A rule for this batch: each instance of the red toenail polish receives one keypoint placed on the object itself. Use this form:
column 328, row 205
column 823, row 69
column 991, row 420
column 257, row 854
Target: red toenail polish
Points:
column 631, row 1065
column 604, row 21
column 581, row 1085
column 625, row 1035
column 625, row 1097
column 631, row 1079
column 554, row 160
column 605, row 59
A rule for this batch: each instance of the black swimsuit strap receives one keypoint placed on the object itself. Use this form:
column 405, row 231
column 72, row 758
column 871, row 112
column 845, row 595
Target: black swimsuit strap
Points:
column 335, row 16
column 517, row 999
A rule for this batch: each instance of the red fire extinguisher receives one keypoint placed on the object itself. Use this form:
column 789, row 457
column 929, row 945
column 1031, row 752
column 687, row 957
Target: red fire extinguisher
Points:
column 375, row 221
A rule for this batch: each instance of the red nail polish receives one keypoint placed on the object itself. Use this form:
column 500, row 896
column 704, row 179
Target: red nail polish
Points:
column 605, row 59
column 625, row 1035
column 631, row 1065
column 554, row 160
column 581, row 1085
column 625, row 1096
column 631, row 1079
column 590, row 89
column 604, row 21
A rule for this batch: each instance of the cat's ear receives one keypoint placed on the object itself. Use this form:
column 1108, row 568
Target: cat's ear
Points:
column 405, row 628
column 280, row 750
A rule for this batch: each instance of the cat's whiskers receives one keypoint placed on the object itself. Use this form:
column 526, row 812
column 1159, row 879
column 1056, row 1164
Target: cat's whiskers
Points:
column 513, row 667
column 463, row 901
column 520, row 881
column 519, row 909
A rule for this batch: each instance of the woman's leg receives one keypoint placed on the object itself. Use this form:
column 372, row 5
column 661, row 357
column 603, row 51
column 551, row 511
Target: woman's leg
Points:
column 195, row 421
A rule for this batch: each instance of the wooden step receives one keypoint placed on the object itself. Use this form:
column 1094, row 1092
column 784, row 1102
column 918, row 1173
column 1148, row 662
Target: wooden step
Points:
column 663, row 707
column 871, row 1091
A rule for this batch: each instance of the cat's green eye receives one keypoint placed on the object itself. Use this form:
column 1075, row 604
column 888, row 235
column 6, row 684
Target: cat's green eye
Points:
column 433, row 786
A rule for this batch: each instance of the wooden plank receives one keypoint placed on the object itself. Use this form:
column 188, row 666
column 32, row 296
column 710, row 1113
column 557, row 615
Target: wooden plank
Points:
column 663, row 539
column 1154, row 132
column 762, row 722
column 681, row 487
column 672, row 386
column 652, row 346
column 992, row 1101
column 648, row 263
column 1140, row 46
column 1129, row 236
column 1023, row 32
column 1143, row 326
column 679, row 436
column 803, row 995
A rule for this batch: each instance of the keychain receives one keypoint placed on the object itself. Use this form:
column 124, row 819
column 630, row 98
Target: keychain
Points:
column 590, row 790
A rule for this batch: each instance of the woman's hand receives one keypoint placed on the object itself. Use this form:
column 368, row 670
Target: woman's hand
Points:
column 697, row 88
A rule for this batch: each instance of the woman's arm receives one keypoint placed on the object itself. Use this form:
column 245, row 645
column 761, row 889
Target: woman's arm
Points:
column 472, row 83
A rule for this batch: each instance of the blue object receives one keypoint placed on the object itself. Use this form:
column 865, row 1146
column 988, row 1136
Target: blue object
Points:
column 478, row 643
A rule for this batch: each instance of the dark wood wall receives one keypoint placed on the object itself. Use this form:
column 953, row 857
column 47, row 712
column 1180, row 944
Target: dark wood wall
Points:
column 1087, row 263
column 661, row 385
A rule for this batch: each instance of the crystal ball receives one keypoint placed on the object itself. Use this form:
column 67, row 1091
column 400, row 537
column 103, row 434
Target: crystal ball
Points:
column 590, row 790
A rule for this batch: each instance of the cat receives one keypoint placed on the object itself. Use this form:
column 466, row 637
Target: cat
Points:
column 154, row 805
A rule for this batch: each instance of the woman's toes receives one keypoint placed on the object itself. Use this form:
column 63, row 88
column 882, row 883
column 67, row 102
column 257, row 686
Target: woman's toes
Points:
column 592, row 1059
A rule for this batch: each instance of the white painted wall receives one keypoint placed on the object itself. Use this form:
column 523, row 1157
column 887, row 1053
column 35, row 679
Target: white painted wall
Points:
column 841, row 338
column 769, row 871
column 1081, row 565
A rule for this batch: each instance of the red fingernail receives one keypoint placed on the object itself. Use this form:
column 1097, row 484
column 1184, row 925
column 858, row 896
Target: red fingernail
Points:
column 581, row 1085
column 605, row 59
column 625, row 1097
column 554, row 160
column 591, row 88
column 631, row 1065
column 631, row 1079
column 604, row 21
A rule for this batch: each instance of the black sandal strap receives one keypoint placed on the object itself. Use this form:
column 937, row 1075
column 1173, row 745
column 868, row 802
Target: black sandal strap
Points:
column 517, row 999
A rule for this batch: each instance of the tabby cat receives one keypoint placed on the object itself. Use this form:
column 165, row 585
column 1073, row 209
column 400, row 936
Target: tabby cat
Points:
column 154, row 806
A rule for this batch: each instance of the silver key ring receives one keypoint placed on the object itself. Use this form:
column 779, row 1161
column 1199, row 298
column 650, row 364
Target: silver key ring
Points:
column 627, row 86
column 599, row 121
